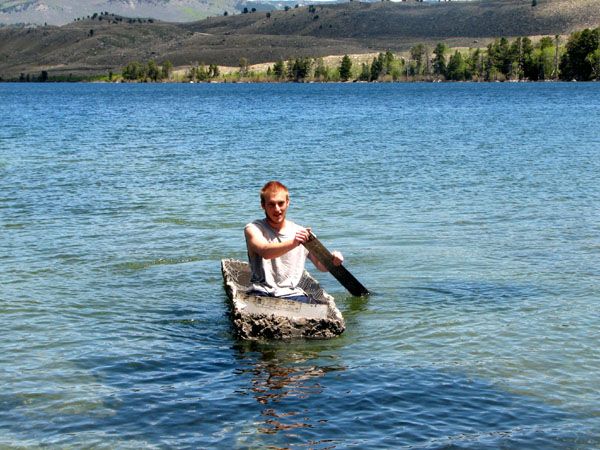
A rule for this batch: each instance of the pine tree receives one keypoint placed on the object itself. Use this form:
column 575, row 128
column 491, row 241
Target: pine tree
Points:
column 345, row 68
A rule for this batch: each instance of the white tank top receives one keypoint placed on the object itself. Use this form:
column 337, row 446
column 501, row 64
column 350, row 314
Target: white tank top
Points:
column 278, row 277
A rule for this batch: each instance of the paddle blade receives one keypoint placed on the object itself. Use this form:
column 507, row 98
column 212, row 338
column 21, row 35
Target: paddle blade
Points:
column 346, row 279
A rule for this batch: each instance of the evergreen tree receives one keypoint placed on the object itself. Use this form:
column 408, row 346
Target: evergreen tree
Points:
column 576, row 62
column 474, row 63
column 279, row 69
column 301, row 68
column 289, row 69
column 345, row 68
column 377, row 68
column 417, row 54
column 388, row 62
column 456, row 69
column 365, row 73
column 528, row 61
column 439, row 59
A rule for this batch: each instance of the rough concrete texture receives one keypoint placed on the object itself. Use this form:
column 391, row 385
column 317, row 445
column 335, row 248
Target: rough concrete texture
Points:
column 236, row 275
column 262, row 326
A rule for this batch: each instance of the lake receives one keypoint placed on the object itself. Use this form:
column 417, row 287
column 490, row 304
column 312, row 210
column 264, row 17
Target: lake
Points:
column 470, row 210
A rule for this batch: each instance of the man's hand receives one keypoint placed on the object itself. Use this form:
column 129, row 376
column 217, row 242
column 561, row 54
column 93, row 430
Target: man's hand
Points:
column 302, row 236
column 338, row 258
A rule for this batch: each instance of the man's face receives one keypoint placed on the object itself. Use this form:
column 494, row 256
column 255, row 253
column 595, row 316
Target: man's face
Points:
column 275, row 206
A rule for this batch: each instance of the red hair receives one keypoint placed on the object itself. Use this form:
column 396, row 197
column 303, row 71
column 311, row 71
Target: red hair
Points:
column 272, row 186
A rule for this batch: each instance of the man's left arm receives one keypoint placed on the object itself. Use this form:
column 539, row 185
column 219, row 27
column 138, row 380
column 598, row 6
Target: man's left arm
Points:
column 338, row 259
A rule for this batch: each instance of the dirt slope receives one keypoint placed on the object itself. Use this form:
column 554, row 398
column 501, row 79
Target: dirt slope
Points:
column 93, row 46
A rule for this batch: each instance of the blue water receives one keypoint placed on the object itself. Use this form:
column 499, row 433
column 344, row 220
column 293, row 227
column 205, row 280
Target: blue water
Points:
column 471, row 211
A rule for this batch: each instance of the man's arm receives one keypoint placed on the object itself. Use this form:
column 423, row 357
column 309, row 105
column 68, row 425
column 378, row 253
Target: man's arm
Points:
column 338, row 259
column 258, row 245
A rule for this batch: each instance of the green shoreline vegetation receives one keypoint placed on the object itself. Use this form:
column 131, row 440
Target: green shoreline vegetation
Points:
column 520, row 60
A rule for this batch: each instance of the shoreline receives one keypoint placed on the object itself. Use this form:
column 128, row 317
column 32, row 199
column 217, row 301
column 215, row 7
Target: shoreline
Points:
column 296, row 82
column 520, row 60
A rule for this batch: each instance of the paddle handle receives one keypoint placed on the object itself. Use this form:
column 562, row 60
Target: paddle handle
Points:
column 324, row 256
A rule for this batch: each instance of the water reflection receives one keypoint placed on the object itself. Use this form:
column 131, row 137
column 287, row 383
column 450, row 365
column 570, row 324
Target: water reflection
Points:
column 286, row 381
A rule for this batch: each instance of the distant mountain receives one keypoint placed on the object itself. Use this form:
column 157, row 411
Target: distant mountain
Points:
column 60, row 12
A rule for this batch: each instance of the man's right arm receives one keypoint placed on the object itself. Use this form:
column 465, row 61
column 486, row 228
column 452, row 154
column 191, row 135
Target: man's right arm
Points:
column 258, row 245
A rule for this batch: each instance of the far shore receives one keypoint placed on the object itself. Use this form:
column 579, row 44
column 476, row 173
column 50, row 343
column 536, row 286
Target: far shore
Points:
column 523, row 59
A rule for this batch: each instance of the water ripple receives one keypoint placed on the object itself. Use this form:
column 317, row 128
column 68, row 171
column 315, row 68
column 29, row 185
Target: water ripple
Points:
column 470, row 210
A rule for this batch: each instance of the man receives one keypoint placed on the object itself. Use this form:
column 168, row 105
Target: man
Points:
column 275, row 249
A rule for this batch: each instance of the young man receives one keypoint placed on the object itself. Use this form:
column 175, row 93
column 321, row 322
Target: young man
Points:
column 275, row 249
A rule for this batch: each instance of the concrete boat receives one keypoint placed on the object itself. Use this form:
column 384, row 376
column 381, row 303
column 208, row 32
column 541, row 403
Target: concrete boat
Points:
column 256, row 317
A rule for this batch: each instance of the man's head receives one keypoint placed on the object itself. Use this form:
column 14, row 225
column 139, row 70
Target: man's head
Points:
column 275, row 199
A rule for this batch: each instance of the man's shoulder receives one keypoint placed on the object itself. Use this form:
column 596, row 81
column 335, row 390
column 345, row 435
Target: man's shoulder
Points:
column 256, row 224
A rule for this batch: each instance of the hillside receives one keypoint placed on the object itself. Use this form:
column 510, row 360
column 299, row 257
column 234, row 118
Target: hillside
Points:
column 97, row 46
column 61, row 12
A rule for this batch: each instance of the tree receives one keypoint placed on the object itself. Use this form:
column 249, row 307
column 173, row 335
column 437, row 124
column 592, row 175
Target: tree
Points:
column 213, row 71
column 499, row 56
column 153, row 71
column 202, row 73
column 279, row 69
column 417, row 54
column 594, row 60
column 546, row 41
column 166, row 70
column 243, row 66
column 575, row 63
column 301, row 68
column 191, row 74
column 456, row 69
column 320, row 70
column 289, row 69
column 388, row 62
column 474, row 62
column 345, row 68
column 377, row 68
column 134, row 71
column 439, row 59
column 365, row 72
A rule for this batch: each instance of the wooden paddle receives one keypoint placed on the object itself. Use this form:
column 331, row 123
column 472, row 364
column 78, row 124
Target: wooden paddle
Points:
column 341, row 274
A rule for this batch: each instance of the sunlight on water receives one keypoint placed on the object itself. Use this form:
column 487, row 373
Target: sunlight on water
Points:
column 470, row 211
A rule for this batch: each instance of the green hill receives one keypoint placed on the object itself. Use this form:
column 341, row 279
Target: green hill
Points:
column 108, row 42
